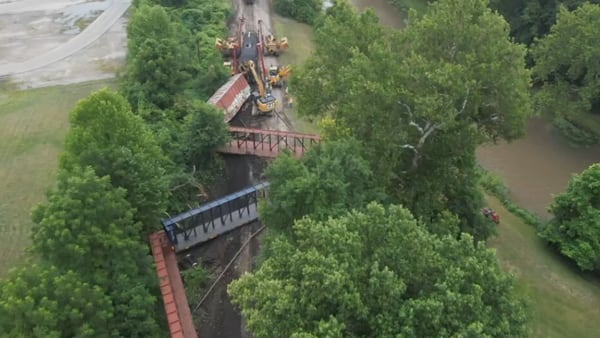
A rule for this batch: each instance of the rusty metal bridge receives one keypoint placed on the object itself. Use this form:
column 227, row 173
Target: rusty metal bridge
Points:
column 267, row 143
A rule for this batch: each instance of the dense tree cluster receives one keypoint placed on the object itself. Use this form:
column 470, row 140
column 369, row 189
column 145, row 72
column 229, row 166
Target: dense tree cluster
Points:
column 575, row 228
column 567, row 62
column 329, row 180
column 401, row 115
column 421, row 100
column 124, row 165
column 90, row 230
column 172, row 66
column 533, row 18
column 107, row 136
column 302, row 10
column 377, row 273
column 171, row 52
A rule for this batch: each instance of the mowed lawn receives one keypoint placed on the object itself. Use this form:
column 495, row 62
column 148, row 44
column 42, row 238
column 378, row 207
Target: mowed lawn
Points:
column 301, row 45
column 33, row 124
column 563, row 301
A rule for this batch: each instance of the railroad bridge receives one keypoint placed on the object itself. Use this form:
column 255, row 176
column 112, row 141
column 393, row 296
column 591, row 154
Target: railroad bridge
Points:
column 215, row 218
column 267, row 143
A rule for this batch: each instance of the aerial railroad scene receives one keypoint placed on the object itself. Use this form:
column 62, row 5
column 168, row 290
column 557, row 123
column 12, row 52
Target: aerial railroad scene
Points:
column 299, row 168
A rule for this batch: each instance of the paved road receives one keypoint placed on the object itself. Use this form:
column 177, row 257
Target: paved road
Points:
column 102, row 24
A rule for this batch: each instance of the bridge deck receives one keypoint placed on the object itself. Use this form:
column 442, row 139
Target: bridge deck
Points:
column 267, row 143
column 219, row 227
column 261, row 150
column 212, row 219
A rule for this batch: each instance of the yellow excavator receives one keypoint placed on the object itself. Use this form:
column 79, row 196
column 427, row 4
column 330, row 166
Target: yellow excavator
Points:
column 227, row 46
column 277, row 74
column 274, row 46
column 264, row 101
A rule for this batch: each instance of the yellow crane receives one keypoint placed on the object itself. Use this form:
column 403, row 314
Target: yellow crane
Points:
column 264, row 100
column 277, row 74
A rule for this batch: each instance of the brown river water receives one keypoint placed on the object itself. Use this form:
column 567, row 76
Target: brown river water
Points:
column 534, row 167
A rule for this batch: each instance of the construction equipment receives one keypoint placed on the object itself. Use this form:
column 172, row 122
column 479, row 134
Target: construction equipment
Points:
column 271, row 45
column 274, row 46
column 227, row 46
column 277, row 74
column 264, row 101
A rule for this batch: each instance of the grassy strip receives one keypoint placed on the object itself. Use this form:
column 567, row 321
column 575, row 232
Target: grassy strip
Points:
column 494, row 186
column 563, row 301
column 33, row 124
column 301, row 41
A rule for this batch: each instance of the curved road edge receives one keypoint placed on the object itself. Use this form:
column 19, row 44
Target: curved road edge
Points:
column 94, row 31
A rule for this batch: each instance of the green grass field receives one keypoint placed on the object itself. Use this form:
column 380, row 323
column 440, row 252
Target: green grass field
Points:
column 33, row 124
column 563, row 301
column 300, row 38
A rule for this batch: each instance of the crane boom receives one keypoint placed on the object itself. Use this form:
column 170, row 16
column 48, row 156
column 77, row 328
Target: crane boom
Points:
column 259, row 81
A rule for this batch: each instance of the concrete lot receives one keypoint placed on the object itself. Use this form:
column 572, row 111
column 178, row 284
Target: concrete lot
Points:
column 34, row 33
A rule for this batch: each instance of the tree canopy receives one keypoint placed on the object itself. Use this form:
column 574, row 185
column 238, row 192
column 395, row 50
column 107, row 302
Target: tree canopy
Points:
column 158, row 66
column 87, row 226
column 108, row 137
column 171, row 54
column 575, row 228
column 43, row 301
column 330, row 179
column 421, row 100
column 533, row 19
column 567, row 61
column 302, row 10
column 378, row 273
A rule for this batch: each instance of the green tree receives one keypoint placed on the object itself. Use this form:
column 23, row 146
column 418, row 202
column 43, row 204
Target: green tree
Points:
column 204, row 130
column 107, row 136
column 567, row 61
column 575, row 228
column 160, row 58
column 422, row 100
column 378, row 273
column 330, row 179
column 193, row 142
column 87, row 226
column 301, row 10
column 43, row 301
column 533, row 18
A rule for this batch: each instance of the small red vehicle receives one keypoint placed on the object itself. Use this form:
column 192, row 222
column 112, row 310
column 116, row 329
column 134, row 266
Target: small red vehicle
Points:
column 491, row 215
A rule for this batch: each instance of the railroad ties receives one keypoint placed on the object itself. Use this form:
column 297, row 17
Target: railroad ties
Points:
column 267, row 143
